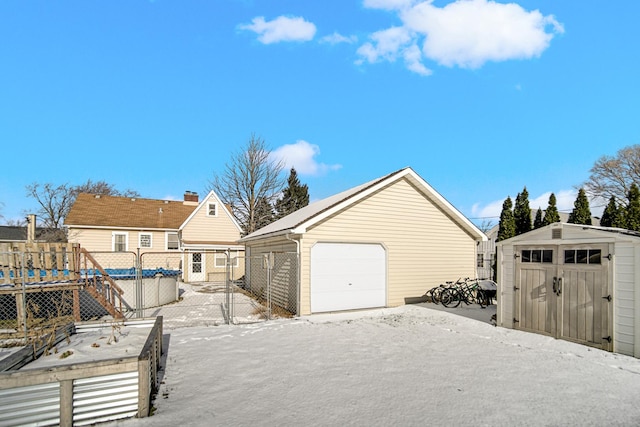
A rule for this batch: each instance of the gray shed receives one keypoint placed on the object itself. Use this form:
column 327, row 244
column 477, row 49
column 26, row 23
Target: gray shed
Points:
column 574, row 282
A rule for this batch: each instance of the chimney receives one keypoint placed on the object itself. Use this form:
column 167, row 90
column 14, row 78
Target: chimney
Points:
column 190, row 198
column 31, row 228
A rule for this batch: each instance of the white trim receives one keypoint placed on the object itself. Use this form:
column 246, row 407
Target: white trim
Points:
column 215, row 209
column 113, row 240
column 144, row 233
column 115, row 227
column 222, row 256
column 166, row 241
column 206, row 199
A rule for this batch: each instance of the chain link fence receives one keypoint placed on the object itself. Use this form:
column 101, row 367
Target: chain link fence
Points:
column 49, row 288
column 272, row 280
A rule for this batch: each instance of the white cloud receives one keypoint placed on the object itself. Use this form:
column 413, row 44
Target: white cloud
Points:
column 388, row 4
column 464, row 33
column 337, row 38
column 281, row 29
column 386, row 44
column 412, row 59
column 489, row 211
column 301, row 156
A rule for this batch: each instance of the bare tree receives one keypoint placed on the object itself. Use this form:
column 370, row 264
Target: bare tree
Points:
column 103, row 188
column 250, row 179
column 56, row 201
column 486, row 225
column 613, row 176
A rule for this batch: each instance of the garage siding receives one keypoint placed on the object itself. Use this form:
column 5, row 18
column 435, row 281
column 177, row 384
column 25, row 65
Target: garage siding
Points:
column 424, row 246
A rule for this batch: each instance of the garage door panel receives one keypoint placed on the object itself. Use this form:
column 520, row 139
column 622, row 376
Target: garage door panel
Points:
column 348, row 300
column 347, row 276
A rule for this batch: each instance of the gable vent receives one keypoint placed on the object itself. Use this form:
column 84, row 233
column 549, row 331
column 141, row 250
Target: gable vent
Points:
column 556, row 233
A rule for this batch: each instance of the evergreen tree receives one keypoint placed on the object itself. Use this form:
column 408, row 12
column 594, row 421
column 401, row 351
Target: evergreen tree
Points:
column 551, row 215
column 612, row 215
column 265, row 214
column 537, row 223
column 294, row 196
column 632, row 212
column 581, row 213
column 507, row 225
column 522, row 212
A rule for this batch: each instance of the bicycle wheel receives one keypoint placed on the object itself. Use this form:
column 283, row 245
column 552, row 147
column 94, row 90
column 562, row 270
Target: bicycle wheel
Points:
column 446, row 297
column 450, row 298
column 482, row 299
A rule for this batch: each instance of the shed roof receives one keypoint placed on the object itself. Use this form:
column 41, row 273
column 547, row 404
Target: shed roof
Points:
column 593, row 230
column 298, row 221
column 92, row 210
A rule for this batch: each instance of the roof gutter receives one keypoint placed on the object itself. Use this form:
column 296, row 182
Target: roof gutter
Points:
column 267, row 235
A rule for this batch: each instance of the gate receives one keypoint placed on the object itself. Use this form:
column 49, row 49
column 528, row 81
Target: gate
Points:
column 564, row 291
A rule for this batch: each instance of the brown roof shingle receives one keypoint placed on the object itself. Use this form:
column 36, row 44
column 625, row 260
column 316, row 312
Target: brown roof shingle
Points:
column 111, row 211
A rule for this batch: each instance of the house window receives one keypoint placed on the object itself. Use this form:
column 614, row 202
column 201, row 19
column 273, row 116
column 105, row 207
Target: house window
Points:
column 172, row 241
column 212, row 209
column 544, row 256
column 480, row 261
column 221, row 259
column 119, row 242
column 144, row 240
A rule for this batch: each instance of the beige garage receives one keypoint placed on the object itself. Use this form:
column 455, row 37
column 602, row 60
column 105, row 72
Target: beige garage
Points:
column 573, row 282
column 374, row 245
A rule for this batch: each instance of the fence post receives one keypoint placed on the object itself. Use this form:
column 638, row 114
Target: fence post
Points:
column 270, row 262
column 229, row 290
column 21, row 299
column 138, row 286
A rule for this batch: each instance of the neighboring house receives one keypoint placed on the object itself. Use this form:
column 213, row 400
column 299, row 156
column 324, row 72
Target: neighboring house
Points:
column 17, row 234
column 200, row 232
column 376, row 245
column 575, row 282
column 487, row 250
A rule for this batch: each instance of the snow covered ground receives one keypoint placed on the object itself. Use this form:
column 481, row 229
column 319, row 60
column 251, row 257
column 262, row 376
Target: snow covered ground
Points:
column 407, row 366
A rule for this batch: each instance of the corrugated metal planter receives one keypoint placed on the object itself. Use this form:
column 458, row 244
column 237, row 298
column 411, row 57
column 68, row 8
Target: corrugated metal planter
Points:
column 84, row 393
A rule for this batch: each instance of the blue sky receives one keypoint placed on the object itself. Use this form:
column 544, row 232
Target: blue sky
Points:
column 480, row 98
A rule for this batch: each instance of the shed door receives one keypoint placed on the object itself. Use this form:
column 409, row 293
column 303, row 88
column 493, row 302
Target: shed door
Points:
column 347, row 276
column 562, row 291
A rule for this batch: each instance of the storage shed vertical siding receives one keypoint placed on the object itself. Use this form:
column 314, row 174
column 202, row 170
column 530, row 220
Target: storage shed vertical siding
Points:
column 624, row 300
column 424, row 246
column 623, row 276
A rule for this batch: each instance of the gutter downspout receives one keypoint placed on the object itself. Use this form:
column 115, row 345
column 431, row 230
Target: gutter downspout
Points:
column 297, row 242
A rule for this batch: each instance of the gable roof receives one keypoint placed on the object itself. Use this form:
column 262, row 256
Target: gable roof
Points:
column 298, row 221
column 221, row 208
column 593, row 230
column 564, row 218
column 92, row 210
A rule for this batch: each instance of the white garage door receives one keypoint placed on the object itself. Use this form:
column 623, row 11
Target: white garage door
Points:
column 347, row 276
